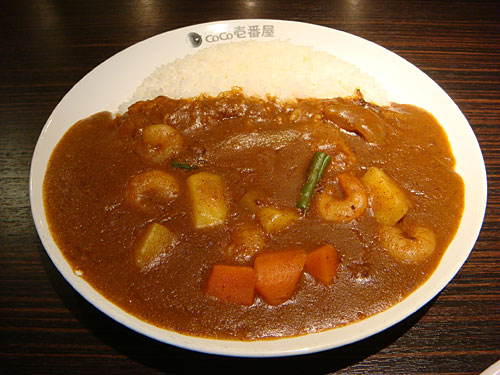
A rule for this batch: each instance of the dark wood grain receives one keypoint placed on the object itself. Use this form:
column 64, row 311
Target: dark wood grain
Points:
column 47, row 46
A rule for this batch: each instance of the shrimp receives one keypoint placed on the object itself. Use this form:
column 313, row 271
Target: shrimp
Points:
column 151, row 190
column 247, row 240
column 413, row 246
column 343, row 210
column 159, row 143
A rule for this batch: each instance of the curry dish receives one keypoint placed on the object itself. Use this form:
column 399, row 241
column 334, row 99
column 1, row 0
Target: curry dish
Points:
column 245, row 218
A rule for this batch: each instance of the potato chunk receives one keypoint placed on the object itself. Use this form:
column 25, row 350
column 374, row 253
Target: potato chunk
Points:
column 252, row 201
column 388, row 199
column 157, row 240
column 274, row 219
column 208, row 201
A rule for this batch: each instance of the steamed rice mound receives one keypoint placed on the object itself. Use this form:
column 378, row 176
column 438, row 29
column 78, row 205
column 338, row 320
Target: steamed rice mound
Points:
column 275, row 68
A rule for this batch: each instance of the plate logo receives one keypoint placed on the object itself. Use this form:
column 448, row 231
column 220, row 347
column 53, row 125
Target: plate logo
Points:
column 194, row 39
column 238, row 32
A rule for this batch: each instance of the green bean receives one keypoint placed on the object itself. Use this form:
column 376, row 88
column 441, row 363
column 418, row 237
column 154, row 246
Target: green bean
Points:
column 183, row 166
column 318, row 165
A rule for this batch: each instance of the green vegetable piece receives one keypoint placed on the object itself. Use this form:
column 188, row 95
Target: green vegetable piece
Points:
column 183, row 166
column 318, row 165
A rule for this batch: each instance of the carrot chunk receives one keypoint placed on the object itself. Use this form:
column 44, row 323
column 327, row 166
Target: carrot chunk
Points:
column 278, row 274
column 234, row 284
column 322, row 264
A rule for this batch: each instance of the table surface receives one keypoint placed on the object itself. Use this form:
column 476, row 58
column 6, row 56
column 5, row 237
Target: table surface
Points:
column 47, row 46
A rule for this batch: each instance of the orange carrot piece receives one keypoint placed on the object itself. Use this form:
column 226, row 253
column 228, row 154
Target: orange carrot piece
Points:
column 234, row 284
column 278, row 273
column 322, row 264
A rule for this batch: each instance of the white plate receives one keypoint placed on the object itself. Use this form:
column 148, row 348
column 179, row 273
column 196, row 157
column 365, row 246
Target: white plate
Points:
column 113, row 83
column 494, row 369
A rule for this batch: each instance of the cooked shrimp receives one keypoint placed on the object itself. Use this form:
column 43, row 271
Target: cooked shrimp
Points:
column 151, row 190
column 159, row 143
column 347, row 209
column 413, row 246
column 247, row 240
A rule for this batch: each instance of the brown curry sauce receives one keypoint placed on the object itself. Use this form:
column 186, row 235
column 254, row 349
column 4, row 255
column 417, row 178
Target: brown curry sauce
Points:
column 252, row 144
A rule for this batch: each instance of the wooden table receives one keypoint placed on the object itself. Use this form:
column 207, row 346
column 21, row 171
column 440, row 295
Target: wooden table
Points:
column 47, row 46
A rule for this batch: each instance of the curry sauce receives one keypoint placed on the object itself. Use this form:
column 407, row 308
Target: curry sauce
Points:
column 251, row 144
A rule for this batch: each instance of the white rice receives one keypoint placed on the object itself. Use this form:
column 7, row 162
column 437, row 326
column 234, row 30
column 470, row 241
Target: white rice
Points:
column 273, row 68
